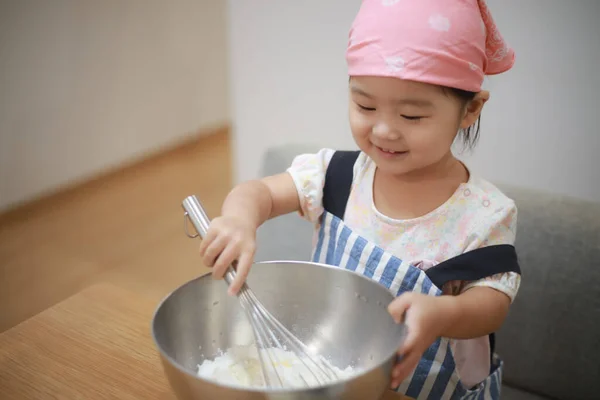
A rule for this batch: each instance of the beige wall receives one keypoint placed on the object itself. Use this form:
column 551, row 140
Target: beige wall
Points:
column 86, row 85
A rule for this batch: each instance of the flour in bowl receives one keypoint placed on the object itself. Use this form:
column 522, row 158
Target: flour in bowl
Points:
column 240, row 366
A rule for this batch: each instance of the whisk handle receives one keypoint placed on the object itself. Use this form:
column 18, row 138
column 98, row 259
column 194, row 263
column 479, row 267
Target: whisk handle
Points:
column 196, row 213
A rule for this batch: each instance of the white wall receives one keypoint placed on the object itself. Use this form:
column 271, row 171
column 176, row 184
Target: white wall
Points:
column 540, row 129
column 87, row 85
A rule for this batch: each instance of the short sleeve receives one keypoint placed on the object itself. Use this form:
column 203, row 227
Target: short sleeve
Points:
column 308, row 172
column 499, row 229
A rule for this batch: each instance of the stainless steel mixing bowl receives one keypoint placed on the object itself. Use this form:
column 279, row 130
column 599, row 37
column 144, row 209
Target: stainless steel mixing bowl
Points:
column 340, row 313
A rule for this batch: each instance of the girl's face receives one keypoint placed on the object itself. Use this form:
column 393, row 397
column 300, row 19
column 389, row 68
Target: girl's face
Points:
column 406, row 126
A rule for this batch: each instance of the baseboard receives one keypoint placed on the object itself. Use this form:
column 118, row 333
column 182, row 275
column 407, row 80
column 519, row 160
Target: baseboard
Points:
column 191, row 142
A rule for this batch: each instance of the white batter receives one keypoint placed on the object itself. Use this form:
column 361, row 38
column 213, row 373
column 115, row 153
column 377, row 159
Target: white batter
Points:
column 240, row 366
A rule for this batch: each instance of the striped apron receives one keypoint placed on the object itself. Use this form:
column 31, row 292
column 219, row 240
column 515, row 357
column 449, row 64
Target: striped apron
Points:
column 435, row 377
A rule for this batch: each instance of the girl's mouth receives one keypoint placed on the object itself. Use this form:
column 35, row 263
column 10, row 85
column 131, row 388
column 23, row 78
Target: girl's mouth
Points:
column 390, row 152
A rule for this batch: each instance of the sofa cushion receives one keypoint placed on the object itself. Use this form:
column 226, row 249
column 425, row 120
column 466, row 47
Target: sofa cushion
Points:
column 510, row 393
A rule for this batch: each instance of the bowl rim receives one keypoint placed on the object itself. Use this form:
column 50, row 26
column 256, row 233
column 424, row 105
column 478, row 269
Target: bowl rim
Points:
column 338, row 382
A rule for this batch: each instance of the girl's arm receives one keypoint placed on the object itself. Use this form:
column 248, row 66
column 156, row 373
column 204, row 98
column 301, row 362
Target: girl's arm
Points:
column 476, row 312
column 257, row 201
column 231, row 236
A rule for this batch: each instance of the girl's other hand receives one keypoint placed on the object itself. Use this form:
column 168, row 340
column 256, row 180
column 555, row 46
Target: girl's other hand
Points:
column 229, row 239
column 426, row 317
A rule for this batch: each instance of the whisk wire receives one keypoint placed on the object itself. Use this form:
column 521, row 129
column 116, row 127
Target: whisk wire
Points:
column 265, row 327
column 262, row 339
column 259, row 341
column 299, row 348
column 296, row 345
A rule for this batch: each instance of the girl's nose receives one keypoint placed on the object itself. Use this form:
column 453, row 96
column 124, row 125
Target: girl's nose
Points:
column 383, row 130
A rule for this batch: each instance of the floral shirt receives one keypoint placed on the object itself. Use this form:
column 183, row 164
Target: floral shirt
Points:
column 476, row 215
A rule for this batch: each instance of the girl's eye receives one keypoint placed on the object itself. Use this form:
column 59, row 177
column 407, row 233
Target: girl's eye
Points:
column 365, row 108
column 411, row 117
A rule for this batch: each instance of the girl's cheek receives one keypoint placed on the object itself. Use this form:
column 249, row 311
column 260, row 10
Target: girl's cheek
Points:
column 360, row 124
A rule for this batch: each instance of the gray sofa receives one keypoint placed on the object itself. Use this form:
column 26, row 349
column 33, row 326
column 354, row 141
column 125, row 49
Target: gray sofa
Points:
column 551, row 340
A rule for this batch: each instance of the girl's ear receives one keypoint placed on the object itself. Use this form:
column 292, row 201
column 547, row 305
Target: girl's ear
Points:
column 473, row 109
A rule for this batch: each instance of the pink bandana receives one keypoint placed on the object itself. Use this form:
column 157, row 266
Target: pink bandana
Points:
column 452, row 43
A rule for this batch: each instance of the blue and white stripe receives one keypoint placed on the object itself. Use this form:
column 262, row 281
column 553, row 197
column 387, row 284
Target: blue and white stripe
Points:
column 435, row 377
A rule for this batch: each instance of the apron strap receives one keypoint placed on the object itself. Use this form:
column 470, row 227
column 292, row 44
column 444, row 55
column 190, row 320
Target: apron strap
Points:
column 338, row 182
column 476, row 264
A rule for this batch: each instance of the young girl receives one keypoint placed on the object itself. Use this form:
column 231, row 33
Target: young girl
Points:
column 403, row 210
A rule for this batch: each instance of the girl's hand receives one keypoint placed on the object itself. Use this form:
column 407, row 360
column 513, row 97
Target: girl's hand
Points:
column 229, row 239
column 426, row 317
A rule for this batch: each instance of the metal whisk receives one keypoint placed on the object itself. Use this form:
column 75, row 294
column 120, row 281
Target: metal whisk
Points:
column 270, row 336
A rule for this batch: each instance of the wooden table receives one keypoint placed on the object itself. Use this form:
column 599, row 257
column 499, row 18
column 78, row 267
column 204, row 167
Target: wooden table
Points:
column 94, row 345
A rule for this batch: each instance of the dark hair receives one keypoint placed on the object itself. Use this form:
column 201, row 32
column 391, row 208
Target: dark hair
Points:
column 468, row 135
